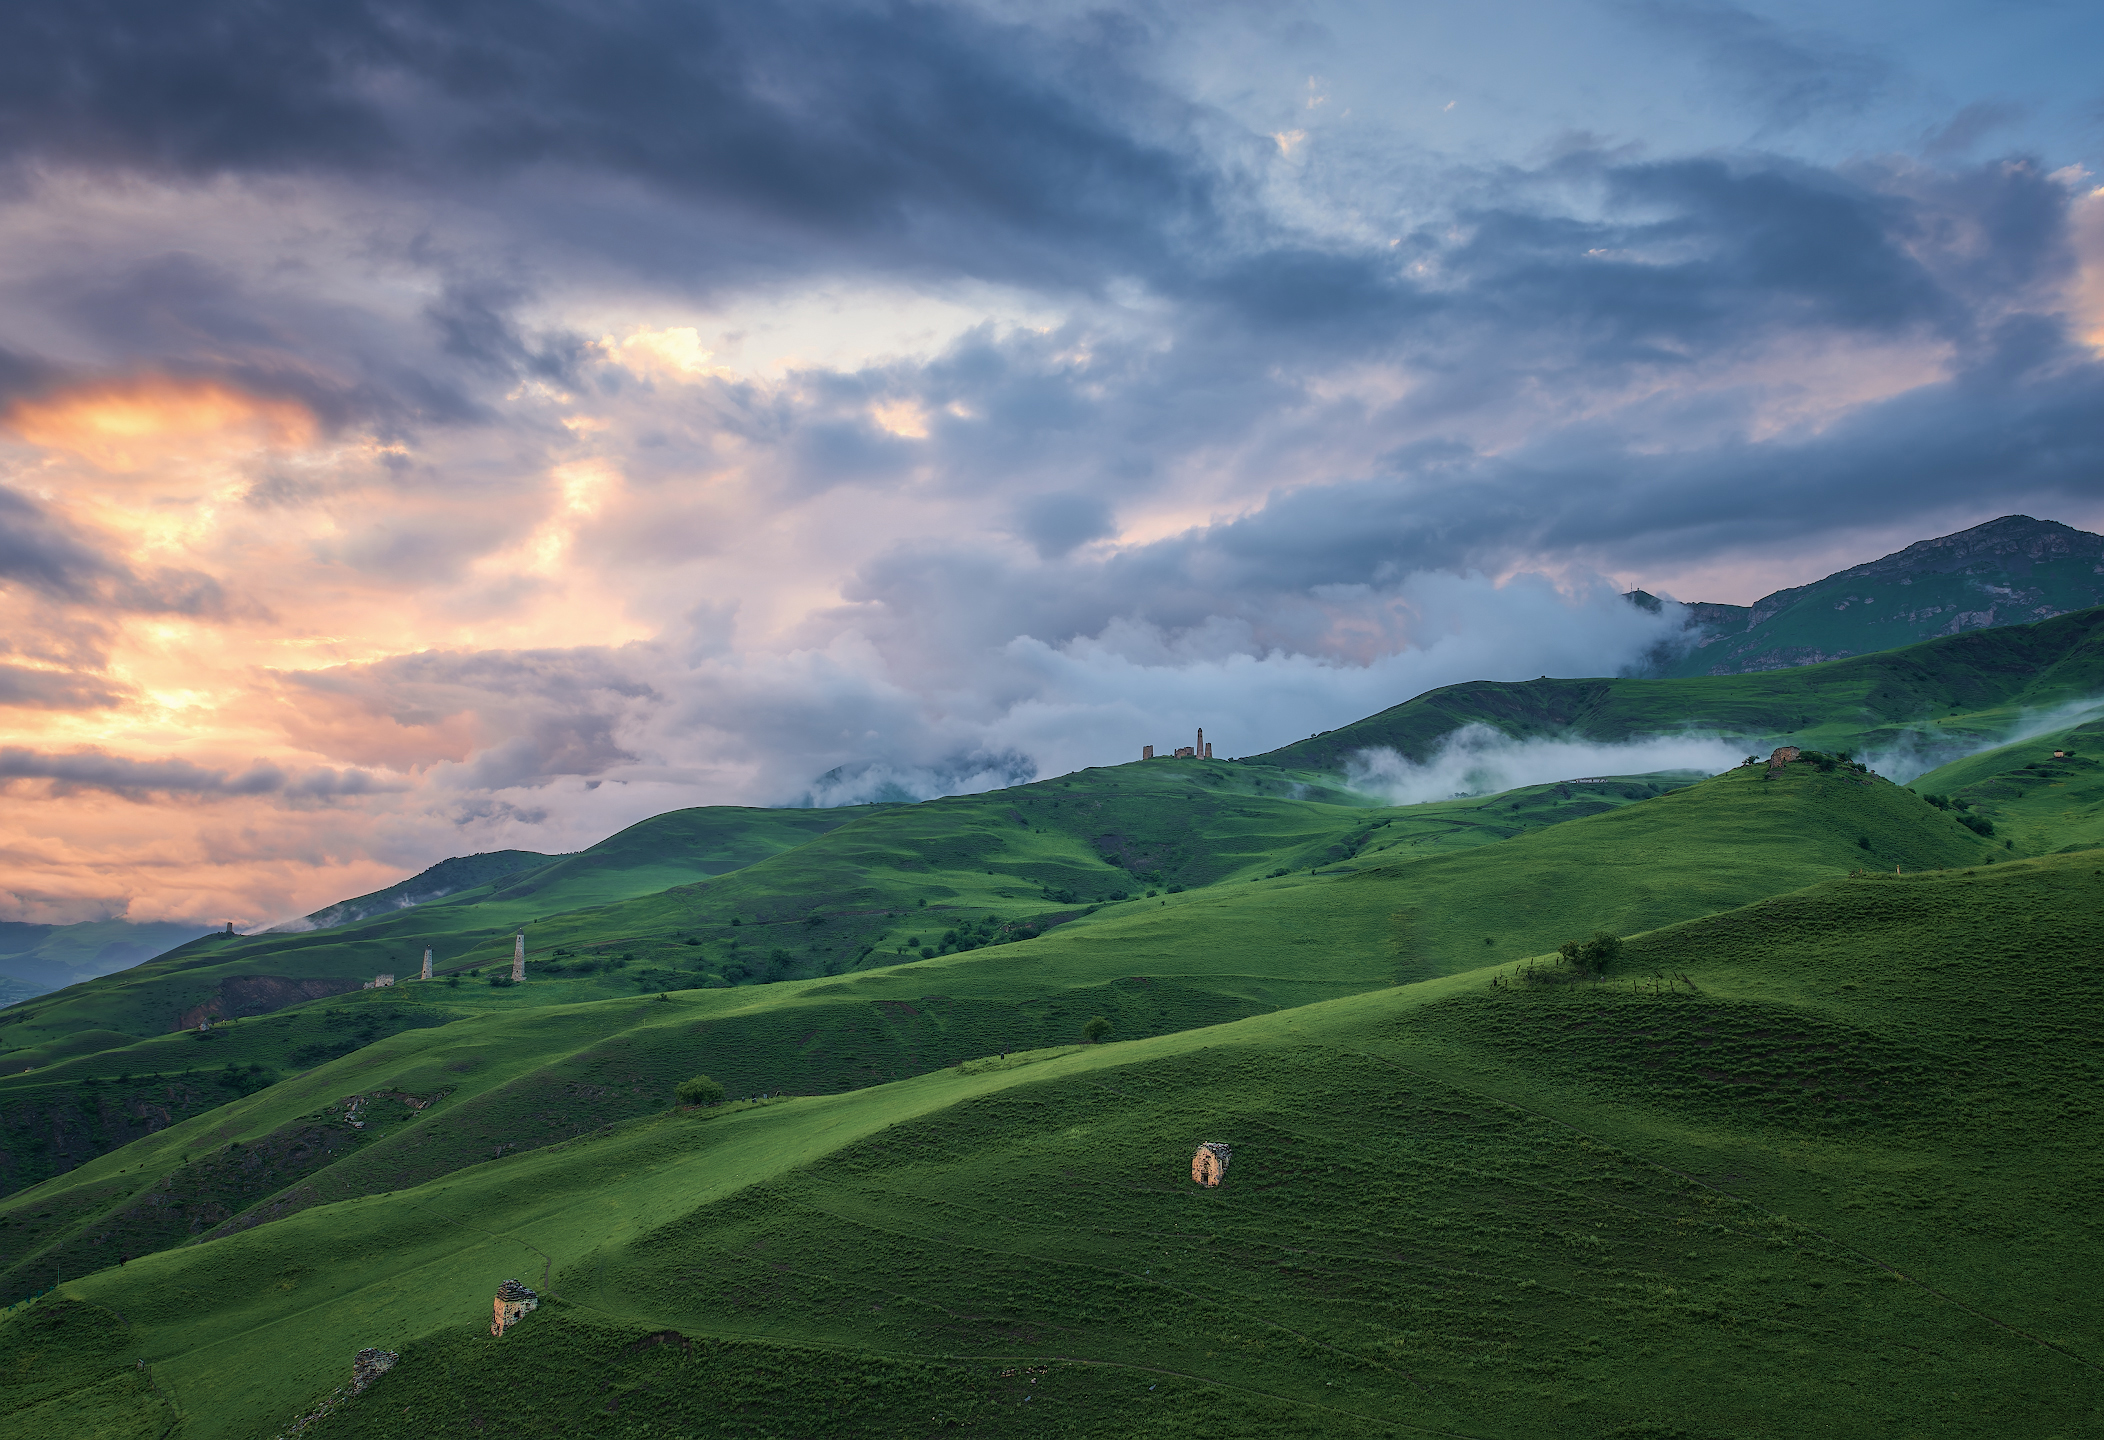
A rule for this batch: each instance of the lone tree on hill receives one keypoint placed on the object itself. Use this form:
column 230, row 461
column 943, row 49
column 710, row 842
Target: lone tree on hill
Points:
column 1095, row 1030
column 1592, row 956
column 701, row 1090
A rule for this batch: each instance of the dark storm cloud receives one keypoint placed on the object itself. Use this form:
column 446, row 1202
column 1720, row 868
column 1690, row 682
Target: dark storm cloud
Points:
column 56, row 690
column 2040, row 442
column 99, row 770
column 847, row 119
column 1056, row 523
column 44, row 554
column 539, row 715
column 475, row 322
column 1969, row 127
column 1723, row 258
column 41, row 553
column 1785, row 77
column 189, row 317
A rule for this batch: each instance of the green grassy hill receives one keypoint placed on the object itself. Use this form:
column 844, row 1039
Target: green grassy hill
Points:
column 2036, row 800
column 447, row 877
column 1946, row 696
column 1035, row 855
column 1108, row 861
column 225, row 976
column 72, row 1094
column 519, row 1068
column 1827, row 1174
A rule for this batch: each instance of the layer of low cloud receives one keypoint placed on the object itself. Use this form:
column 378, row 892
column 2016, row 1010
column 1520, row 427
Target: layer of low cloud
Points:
column 1478, row 760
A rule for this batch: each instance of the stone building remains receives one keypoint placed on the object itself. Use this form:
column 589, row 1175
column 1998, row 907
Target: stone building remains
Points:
column 1200, row 751
column 1209, row 1165
column 513, row 1301
column 369, row 1366
column 380, row 982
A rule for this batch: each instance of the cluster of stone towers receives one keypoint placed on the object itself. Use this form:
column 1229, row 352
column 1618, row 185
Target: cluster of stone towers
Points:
column 518, row 964
column 1200, row 751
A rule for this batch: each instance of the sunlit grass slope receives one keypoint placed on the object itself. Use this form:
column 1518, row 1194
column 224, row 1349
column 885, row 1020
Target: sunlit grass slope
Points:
column 1840, row 1187
column 520, row 1072
column 668, row 849
column 2037, row 801
column 1948, row 695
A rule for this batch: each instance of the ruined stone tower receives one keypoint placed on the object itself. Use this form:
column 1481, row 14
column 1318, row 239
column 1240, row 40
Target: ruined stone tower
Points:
column 513, row 1300
column 1209, row 1165
column 427, row 964
column 518, row 956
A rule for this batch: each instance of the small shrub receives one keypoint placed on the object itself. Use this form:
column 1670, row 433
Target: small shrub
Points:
column 1978, row 824
column 701, row 1090
column 1095, row 1030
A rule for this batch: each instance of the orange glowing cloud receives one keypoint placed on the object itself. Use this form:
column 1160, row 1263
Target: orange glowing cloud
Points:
column 131, row 424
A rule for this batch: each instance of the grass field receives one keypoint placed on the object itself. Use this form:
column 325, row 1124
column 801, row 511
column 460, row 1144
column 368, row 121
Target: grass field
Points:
column 1818, row 1178
column 833, row 902
column 523, row 1069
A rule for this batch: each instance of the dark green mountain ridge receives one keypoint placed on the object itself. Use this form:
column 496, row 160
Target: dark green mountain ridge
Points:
column 2014, row 570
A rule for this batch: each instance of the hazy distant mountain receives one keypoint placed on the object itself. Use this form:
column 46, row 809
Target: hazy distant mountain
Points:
column 2009, row 571
column 39, row 958
column 462, row 872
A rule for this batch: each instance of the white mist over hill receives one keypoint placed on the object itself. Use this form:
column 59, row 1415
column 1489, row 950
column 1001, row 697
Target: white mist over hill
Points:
column 1477, row 760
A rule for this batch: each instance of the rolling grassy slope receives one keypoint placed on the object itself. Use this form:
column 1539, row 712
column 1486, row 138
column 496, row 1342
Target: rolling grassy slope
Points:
column 1834, row 1183
column 2037, row 802
column 1084, row 839
column 821, row 891
column 1950, row 695
column 517, row 1069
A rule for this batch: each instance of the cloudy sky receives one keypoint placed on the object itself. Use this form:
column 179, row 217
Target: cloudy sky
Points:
column 431, row 428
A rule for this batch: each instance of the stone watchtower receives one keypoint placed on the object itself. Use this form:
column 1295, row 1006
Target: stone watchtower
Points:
column 1209, row 1165
column 518, row 956
column 513, row 1301
column 427, row 964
